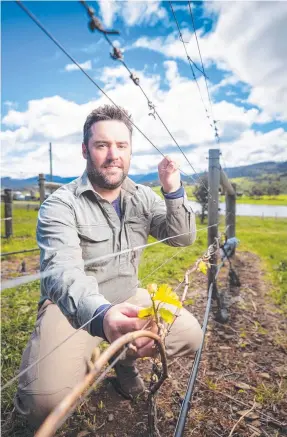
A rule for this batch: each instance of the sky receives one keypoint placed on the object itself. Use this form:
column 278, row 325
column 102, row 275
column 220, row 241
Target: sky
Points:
column 46, row 98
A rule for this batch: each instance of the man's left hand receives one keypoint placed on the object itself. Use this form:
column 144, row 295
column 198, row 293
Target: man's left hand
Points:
column 169, row 175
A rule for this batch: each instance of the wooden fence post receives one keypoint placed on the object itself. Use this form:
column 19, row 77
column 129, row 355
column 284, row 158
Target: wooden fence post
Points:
column 230, row 214
column 213, row 198
column 8, row 202
column 42, row 187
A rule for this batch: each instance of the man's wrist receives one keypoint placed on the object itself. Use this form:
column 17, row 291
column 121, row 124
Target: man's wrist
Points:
column 97, row 324
column 173, row 194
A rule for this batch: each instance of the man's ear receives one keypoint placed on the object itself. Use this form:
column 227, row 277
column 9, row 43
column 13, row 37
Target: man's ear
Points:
column 84, row 151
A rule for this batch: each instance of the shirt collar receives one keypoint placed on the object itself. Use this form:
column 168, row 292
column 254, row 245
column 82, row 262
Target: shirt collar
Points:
column 84, row 184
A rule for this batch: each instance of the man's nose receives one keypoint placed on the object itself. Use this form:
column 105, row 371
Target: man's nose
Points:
column 113, row 153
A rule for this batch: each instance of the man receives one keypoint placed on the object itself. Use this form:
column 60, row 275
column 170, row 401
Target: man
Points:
column 100, row 213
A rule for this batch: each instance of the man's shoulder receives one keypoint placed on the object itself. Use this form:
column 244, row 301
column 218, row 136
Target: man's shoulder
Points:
column 66, row 193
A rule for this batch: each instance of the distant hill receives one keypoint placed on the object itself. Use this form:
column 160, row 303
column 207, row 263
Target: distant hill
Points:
column 21, row 184
column 250, row 171
column 255, row 170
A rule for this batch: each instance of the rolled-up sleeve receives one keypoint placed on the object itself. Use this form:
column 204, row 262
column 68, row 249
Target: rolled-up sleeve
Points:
column 171, row 217
column 65, row 282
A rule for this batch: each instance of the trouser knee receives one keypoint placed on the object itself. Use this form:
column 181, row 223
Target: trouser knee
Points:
column 185, row 337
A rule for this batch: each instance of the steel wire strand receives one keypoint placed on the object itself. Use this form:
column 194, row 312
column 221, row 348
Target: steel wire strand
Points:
column 206, row 84
column 12, row 380
column 179, row 31
column 193, row 374
column 11, row 283
column 201, row 60
column 72, row 59
column 150, row 103
column 59, row 415
column 51, row 424
column 37, row 22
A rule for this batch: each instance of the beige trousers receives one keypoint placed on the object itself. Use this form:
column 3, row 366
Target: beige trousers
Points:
column 44, row 385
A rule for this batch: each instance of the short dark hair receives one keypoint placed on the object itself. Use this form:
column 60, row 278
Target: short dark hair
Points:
column 106, row 112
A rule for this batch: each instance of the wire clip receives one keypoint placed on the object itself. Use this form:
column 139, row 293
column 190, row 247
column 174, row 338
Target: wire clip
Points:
column 95, row 23
column 117, row 54
column 151, row 108
column 135, row 79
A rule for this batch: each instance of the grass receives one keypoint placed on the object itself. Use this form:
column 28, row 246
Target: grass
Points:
column 267, row 238
column 280, row 200
column 263, row 237
column 24, row 230
column 270, row 394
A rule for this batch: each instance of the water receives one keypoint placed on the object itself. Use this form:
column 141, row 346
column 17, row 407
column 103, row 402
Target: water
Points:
column 248, row 210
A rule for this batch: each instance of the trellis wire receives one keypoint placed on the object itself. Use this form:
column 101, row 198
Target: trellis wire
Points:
column 193, row 374
column 8, row 383
column 37, row 22
column 11, row 283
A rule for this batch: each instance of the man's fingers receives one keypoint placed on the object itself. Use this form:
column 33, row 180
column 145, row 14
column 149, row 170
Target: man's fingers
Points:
column 148, row 350
column 130, row 324
column 142, row 342
column 130, row 310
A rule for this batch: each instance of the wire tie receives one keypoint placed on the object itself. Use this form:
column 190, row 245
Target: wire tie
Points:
column 117, row 54
column 135, row 79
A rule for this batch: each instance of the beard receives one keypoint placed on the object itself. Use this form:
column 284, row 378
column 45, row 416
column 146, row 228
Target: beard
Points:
column 107, row 178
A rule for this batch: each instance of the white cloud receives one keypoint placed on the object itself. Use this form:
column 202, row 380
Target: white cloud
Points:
column 28, row 133
column 171, row 73
column 248, row 41
column 134, row 13
column 108, row 11
column 73, row 67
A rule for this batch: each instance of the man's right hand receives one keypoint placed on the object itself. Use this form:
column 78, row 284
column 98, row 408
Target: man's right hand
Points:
column 123, row 318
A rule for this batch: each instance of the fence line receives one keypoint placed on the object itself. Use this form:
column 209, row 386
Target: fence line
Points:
column 18, row 252
column 8, row 212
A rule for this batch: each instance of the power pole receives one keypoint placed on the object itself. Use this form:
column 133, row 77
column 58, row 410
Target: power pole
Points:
column 51, row 164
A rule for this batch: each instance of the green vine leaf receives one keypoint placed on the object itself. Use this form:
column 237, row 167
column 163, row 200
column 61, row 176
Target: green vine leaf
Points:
column 145, row 312
column 166, row 315
column 166, row 295
column 202, row 267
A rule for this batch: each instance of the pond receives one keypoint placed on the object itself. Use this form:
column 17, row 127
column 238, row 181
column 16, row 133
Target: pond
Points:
column 249, row 210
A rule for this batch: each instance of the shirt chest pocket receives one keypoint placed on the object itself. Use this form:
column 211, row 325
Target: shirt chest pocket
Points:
column 138, row 230
column 96, row 242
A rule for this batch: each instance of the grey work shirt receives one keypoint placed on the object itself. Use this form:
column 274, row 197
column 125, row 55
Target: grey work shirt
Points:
column 76, row 224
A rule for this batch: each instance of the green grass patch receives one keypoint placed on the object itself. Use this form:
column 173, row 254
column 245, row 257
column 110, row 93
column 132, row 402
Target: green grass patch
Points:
column 267, row 238
column 280, row 200
column 19, row 310
column 24, row 230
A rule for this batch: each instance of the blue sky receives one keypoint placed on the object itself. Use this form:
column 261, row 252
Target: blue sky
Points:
column 44, row 99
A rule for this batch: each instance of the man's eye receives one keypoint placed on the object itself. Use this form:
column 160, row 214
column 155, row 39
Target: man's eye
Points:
column 101, row 146
column 122, row 146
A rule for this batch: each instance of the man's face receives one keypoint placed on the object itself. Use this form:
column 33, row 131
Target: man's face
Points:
column 108, row 154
